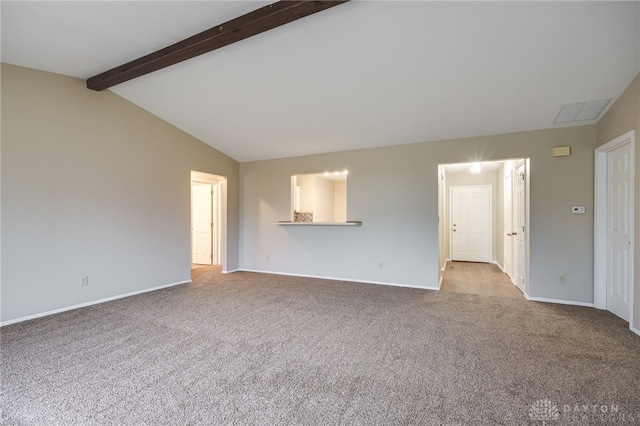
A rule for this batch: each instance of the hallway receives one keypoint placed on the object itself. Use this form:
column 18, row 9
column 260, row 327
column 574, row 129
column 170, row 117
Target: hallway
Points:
column 478, row 278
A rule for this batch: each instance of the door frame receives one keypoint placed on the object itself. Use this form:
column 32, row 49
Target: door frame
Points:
column 523, row 253
column 489, row 187
column 442, row 198
column 600, row 221
column 507, row 218
column 219, row 234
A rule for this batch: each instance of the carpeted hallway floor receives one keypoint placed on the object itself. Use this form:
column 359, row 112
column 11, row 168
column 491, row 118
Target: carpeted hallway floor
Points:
column 249, row 348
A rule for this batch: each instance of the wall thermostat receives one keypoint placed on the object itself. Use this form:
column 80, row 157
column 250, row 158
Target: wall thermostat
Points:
column 578, row 209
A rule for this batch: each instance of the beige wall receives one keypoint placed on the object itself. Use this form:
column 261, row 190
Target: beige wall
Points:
column 340, row 207
column 394, row 191
column 325, row 198
column 307, row 192
column 94, row 186
column 623, row 116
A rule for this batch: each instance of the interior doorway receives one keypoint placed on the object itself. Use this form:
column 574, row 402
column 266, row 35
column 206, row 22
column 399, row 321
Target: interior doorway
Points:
column 614, row 227
column 208, row 219
column 508, row 217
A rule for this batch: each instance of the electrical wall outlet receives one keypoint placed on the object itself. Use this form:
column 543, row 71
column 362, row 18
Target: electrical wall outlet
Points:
column 380, row 265
column 84, row 281
column 562, row 279
column 267, row 257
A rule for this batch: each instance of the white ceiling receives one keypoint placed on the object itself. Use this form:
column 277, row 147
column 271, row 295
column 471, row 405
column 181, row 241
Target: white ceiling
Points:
column 362, row 74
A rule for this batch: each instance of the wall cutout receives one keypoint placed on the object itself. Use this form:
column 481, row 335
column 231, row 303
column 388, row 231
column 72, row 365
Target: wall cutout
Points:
column 319, row 197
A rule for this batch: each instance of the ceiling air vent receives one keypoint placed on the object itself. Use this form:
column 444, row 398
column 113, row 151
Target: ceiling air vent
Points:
column 584, row 111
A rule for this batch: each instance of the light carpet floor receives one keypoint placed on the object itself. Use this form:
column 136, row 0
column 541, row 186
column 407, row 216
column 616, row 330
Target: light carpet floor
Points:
column 249, row 348
column 484, row 279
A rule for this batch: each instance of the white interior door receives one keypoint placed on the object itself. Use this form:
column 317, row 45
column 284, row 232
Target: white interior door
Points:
column 519, row 231
column 202, row 223
column 471, row 223
column 619, row 231
column 508, row 224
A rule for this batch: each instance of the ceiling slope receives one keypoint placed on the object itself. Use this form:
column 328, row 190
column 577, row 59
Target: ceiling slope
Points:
column 221, row 35
column 365, row 74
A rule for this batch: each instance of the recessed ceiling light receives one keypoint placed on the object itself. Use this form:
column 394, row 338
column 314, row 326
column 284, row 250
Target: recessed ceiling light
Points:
column 583, row 111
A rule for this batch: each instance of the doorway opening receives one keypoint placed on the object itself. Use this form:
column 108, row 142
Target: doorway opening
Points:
column 614, row 228
column 208, row 220
column 483, row 213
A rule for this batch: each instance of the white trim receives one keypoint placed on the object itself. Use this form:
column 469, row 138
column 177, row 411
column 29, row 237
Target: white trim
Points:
column 232, row 271
column 600, row 221
column 440, row 282
column 444, row 267
column 600, row 232
column 525, row 163
column 341, row 279
column 222, row 236
column 635, row 330
column 558, row 301
column 93, row 302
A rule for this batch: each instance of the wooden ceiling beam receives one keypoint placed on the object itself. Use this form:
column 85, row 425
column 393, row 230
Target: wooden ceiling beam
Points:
column 243, row 27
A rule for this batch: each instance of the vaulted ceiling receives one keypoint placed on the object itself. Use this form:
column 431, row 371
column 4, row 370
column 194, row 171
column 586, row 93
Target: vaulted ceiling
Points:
column 362, row 74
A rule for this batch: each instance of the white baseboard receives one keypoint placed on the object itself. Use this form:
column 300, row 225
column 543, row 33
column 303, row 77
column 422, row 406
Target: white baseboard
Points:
column 93, row 302
column 440, row 282
column 444, row 266
column 495, row 262
column 558, row 301
column 341, row 279
column 231, row 271
column 635, row 330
